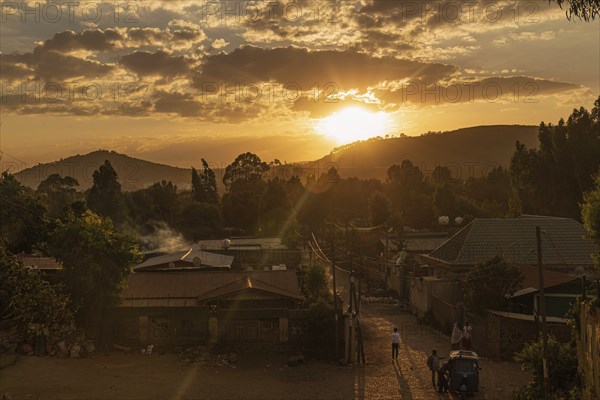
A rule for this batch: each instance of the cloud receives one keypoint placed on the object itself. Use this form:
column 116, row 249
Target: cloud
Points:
column 518, row 89
column 347, row 69
column 159, row 63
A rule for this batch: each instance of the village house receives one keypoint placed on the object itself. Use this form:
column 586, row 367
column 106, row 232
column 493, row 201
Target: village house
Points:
column 194, row 297
column 566, row 256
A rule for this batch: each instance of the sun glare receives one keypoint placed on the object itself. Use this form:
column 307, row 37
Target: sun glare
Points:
column 355, row 123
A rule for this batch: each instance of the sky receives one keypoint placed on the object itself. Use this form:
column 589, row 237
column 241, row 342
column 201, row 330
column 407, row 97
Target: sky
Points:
column 176, row 81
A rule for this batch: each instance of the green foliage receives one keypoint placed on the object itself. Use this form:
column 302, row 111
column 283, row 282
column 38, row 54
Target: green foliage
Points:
column 155, row 203
column 204, row 185
column 105, row 197
column 25, row 297
column 588, row 10
column 22, row 222
column 562, row 370
column 246, row 167
column 380, row 208
column 275, row 208
column 488, row 283
column 198, row 221
column 96, row 261
column 320, row 321
column 315, row 283
column 552, row 180
column 59, row 194
column 590, row 214
column 445, row 201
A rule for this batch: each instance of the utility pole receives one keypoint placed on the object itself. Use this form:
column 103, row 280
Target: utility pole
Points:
column 543, row 311
column 385, row 254
column 335, row 302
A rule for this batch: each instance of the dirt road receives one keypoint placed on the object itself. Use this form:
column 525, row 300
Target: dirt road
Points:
column 257, row 376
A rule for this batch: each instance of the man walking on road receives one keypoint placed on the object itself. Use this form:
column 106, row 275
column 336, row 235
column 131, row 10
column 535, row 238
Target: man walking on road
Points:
column 433, row 363
column 395, row 343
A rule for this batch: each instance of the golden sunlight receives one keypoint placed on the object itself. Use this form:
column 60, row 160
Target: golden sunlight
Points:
column 354, row 123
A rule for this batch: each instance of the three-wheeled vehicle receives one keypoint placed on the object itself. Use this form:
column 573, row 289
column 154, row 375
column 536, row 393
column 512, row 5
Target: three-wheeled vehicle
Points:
column 464, row 372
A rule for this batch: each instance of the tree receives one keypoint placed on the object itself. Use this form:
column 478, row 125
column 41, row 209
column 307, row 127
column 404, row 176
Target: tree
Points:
column 22, row 221
column 96, row 261
column 380, row 208
column 105, row 197
column 157, row 202
column 204, row 186
column 274, row 208
column 562, row 370
column 552, row 179
column 60, row 193
column 198, row 221
column 488, row 283
column 315, row 283
column 587, row 10
column 246, row 167
column 445, row 201
column 245, row 186
column 26, row 298
column 590, row 214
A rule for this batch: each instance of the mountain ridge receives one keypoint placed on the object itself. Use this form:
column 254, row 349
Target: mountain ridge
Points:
column 467, row 152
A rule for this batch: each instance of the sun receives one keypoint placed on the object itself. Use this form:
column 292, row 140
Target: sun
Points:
column 354, row 123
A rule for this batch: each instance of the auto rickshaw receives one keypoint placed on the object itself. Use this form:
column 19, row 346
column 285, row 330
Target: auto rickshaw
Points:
column 464, row 369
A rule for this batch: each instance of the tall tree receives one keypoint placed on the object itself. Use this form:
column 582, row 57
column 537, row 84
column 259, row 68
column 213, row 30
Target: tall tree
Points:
column 96, row 261
column 552, row 179
column 380, row 208
column 245, row 186
column 590, row 214
column 204, row 185
column 105, row 197
column 60, row 193
column 246, row 167
column 22, row 221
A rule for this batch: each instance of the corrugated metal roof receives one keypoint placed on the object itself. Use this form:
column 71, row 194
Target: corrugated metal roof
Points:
column 187, row 287
column 563, row 242
column 192, row 257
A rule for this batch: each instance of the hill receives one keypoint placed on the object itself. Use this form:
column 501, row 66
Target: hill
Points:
column 467, row 152
column 133, row 173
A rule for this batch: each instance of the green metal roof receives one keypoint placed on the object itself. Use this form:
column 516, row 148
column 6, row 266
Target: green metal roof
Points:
column 563, row 242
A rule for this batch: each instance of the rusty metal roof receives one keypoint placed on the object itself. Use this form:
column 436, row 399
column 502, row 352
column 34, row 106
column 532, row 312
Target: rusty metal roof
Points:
column 185, row 288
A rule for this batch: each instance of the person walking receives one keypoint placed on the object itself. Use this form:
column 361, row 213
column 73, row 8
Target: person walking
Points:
column 467, row 339
column 443, row 378
column 395, row 343
column 456, row 337
column 433, row 363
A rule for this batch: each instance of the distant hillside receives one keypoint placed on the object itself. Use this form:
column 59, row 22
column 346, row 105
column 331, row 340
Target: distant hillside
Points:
column 467, row 152
column 133, row 173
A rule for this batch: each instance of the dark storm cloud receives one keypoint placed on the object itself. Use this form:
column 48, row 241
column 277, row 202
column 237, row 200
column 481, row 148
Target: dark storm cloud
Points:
column 92, row 40
column 161, row 63
column 347, row 69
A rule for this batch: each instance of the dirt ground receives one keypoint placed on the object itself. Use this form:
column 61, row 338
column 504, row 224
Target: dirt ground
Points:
column 258, row 376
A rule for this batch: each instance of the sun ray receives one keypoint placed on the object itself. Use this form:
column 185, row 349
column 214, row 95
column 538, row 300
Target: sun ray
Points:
column 354, row 123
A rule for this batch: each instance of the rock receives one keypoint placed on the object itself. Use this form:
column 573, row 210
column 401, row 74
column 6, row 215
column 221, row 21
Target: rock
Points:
column 232, row 357
column 88, row 346
column 74, row 351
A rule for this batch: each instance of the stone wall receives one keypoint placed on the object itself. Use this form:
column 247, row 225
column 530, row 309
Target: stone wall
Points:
column 588, row 349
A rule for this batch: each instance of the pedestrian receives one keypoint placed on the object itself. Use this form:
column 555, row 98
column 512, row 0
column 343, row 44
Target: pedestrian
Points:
column 456, row 337
column 433, row 363
column 395, row 343
column 443, row 378
column 467, row 340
